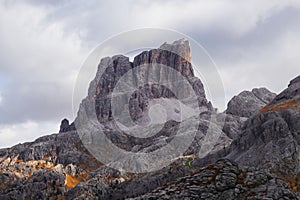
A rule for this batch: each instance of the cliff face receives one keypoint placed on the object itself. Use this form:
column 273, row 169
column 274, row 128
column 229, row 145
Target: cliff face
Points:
column 153, row 74
column 123, row 93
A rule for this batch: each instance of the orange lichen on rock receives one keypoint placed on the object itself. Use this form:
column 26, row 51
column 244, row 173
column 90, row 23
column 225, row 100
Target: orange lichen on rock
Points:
column 18, row 161
column 209, row 167
column 292, row 180
column 289, row 104
column 111, row 179
column 42, row 165
column 4, row 186
column 71, row 181
column 83, row 177
column 18, row 174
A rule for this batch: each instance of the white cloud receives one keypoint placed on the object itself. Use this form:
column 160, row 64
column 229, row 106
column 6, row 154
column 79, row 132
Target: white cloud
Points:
column 25, row 132
column 234, row 17
column 41, row 61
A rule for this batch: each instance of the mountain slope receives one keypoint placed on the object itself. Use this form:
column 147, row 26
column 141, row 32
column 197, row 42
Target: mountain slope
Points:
column 270, row 138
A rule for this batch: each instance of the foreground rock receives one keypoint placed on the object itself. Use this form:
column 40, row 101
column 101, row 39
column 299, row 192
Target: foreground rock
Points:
column 47, row 167
column 224, row 180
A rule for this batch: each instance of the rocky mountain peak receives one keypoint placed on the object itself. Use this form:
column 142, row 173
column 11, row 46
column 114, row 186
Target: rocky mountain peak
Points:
column 180, row 47
column 270, row 138
column 248, row 103
column 64, row 126
column 145, row 77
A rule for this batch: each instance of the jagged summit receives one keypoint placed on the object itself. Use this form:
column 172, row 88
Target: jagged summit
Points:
column 158, row 76
column 248, row 103
column 148, row 67
column 180, row 47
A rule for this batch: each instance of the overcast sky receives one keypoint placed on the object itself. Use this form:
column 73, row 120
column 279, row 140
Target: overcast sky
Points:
column 43, row 44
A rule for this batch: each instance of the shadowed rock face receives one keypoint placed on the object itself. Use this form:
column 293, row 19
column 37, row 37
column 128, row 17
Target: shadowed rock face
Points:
column 292, row 92
column 247, row 103
column 49, row 166
column 294, row 81
column 66, row 127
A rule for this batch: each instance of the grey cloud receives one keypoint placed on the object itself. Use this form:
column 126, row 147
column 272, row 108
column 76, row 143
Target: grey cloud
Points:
column 23, row 101
column 38, row 66
column 227, row 48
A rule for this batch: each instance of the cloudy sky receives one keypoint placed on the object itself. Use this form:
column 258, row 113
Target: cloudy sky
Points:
column 43, row 44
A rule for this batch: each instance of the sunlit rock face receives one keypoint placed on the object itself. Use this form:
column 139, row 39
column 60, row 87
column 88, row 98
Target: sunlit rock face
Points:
column 224, row 180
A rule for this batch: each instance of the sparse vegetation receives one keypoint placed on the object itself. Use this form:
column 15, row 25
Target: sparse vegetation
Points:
column 189, row 162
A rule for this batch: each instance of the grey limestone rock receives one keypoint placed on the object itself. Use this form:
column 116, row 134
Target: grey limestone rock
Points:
column 248, row 103
column 224, row 180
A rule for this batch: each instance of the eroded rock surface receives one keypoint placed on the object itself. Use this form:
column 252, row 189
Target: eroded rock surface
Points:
column 224, row 180
column 248, row 103
column 145, row 78
column 270, row 138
